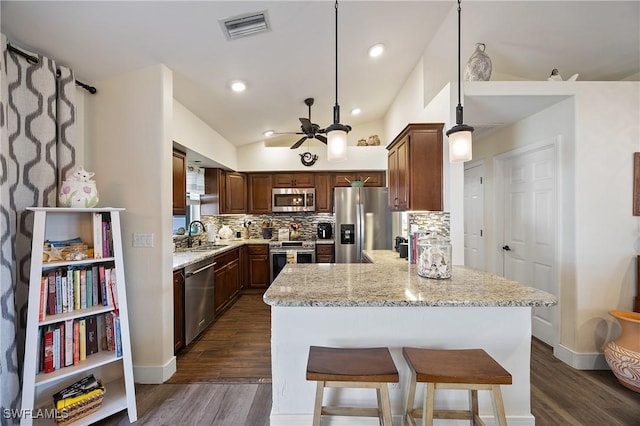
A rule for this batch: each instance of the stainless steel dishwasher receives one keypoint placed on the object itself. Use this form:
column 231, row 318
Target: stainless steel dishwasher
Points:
column 198, row 298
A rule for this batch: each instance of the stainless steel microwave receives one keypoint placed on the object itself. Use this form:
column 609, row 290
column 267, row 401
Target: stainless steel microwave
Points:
column 293, row 200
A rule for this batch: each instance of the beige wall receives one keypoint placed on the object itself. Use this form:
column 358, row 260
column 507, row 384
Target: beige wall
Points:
column 129, row 148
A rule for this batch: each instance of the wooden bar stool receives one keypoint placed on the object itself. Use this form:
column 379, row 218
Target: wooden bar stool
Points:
column 352, row 368
column 470, row 369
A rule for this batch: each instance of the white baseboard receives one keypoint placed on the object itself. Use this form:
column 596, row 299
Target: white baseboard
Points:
column 581, row 360
column 154, row 375
column 307, row 419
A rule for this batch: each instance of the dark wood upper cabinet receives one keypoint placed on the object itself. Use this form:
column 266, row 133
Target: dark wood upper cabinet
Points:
column 324, row 192
column 415, row 168
column 293, row 180
column 225, row 192
column 179, row 182
column 373, row 178
column 259, row 193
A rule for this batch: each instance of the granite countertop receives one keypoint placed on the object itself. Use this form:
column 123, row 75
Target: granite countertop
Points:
column 186, row 257
column 393, row 282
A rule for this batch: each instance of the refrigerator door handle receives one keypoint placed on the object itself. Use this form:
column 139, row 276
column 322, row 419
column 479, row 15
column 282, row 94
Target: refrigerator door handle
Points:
column 360, row 231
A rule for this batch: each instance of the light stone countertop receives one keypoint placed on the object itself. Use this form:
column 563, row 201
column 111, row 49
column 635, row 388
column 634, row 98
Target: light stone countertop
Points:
column 392, row 282
column 187, row 257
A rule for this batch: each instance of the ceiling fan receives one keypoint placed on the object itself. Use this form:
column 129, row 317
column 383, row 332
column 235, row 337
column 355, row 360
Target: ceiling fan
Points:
column 308, row 129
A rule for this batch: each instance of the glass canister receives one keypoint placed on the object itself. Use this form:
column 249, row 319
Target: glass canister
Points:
column 434, row 258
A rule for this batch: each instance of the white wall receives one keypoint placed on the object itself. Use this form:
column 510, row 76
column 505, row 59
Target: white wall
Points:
column 129, row 148
column 599, row 131
column 193, row 133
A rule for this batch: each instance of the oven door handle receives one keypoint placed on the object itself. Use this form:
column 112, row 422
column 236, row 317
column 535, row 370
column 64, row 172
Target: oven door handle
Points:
column 197, row 271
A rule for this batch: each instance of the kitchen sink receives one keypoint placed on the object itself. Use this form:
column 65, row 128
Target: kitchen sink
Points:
column 208, row 248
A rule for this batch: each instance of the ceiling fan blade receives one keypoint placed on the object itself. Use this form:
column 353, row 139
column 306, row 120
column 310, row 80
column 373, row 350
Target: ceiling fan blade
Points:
column 289, row 133
column 321, row 138
column 307, row 127
column 297, row 144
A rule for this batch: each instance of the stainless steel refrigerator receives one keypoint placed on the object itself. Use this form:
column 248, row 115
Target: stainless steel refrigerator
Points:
column 363, row 222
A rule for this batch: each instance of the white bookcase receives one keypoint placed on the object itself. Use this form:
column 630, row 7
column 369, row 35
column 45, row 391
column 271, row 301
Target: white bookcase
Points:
column 115, row 372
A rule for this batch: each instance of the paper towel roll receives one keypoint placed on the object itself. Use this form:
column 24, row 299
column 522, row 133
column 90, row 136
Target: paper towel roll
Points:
column 211, row 232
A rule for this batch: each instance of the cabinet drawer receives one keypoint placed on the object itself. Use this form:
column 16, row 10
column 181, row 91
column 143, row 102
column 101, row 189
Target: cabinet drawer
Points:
column 258, row 249
column 223, row 259
column 324, row 249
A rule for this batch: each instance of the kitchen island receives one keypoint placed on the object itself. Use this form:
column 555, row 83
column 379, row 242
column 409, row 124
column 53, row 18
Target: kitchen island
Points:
column 385, row 303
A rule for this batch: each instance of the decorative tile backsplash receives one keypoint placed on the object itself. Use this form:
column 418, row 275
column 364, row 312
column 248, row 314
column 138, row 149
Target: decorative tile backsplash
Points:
column 438, row 222
column 430, row 221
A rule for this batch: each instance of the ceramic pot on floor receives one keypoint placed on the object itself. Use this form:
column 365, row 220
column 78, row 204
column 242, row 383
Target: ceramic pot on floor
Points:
column 623, row 354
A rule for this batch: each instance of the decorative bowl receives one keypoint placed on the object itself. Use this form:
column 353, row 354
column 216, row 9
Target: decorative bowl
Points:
column 357, row 183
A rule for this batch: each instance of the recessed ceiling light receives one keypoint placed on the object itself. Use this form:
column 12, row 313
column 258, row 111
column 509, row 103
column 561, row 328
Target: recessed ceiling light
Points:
column 356, row 111
column 238, row 86
column 376, row 50
column 268, row 133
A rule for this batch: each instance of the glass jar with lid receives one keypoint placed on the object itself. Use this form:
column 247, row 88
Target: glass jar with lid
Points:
column 434, row 257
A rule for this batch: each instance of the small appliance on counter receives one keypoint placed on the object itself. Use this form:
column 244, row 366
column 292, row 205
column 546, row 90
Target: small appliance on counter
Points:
column 399, row 240
column 324, row 231
column 403, row 250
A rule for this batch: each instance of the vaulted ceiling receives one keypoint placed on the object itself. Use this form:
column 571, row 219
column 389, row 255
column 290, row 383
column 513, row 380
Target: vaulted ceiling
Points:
column 295, row 58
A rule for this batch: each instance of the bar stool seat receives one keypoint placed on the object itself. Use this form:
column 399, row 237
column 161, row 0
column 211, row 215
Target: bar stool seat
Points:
column 470, row 369
column 352, row 368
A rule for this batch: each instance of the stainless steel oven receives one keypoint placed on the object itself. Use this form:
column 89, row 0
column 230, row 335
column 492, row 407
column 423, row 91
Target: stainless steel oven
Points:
column 283, row 252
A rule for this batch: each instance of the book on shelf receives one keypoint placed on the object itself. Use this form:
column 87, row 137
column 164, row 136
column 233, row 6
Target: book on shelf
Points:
column 51, row 305
column 108, row 331
column 103, row 286
column 89, row 294
column 117, row 335
column 83, row 339
column 83, row 289
column 92, row 335
column 68, row 343
column 97, row 236
column 111, row 288
column 70, row 290
column 76, row 342
column 48, row 351
column 44, row 285
column 56, row 348
column 95, row 281
column 65, row 291
column 76, row 289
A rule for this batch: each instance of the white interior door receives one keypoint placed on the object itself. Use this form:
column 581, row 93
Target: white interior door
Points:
column 474, row 216
column 530, row 214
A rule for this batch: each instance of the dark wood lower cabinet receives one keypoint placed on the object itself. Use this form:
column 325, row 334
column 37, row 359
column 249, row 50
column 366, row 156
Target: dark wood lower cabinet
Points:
column 227, row 280
column 258, row 265
column 178, row 310
column 324, row 253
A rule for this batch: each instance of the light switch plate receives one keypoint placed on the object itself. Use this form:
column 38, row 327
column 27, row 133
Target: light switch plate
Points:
column 142, row 240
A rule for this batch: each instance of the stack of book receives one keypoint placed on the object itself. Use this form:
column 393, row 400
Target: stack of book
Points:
column 78, row 400
column 70, row 342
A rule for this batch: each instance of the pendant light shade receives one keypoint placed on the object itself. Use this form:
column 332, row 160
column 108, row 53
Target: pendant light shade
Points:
column 460, row 135
column 337, row 133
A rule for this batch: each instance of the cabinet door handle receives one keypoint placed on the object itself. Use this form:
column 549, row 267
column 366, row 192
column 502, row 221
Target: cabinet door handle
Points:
column 506, row 248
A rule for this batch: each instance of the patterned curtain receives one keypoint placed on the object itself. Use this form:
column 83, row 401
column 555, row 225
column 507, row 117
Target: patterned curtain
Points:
column 37, row 149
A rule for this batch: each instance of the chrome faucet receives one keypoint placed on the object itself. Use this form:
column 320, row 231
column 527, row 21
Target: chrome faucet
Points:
column 189, row 237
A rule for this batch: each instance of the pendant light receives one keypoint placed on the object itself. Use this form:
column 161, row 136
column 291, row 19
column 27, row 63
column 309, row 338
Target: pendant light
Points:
column 460, row 134
column 337, row 133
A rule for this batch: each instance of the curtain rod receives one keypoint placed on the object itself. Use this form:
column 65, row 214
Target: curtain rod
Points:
column 33, row 60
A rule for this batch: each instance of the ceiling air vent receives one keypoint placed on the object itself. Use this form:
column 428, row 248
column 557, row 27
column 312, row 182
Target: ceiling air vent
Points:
column 245, row 25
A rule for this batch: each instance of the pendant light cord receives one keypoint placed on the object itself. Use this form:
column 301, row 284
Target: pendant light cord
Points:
column 336, row 109
column 459, row 64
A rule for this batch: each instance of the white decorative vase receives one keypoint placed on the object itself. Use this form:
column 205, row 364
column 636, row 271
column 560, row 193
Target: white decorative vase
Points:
column 478, row 66
column 78, row 194
column 623, row 354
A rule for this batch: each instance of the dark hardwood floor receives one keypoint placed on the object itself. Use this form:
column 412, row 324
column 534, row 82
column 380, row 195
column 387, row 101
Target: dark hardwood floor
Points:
column 223, row 380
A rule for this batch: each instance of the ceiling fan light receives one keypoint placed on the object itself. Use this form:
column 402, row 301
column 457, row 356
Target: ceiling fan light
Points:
column 460, row 138
column 337, row 143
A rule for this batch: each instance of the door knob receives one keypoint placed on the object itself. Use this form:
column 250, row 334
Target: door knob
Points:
column 506, row 248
